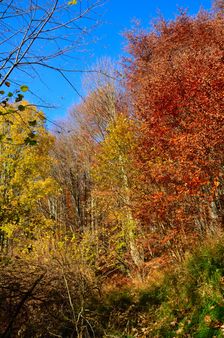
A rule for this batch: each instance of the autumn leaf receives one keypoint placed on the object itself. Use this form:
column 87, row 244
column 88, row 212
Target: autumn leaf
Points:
column 180, row 113
column 24, row 88
column 72, row 2
column 24, row 171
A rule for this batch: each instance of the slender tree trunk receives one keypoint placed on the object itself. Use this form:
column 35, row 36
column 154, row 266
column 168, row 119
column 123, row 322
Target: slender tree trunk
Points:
column 130, row 223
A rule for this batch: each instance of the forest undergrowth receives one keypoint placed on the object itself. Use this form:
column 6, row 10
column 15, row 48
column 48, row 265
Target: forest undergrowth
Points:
column 56, row 296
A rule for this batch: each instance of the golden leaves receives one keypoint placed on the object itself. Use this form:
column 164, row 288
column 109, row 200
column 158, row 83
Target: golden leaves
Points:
column 72, row 2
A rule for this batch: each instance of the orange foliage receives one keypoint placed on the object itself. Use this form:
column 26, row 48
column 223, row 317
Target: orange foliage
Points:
column 176, row 77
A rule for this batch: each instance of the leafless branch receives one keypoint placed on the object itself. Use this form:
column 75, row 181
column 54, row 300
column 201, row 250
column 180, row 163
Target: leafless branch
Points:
column 35, row 33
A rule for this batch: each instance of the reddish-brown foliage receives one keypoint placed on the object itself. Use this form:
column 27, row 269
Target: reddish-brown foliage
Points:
column 176, row 77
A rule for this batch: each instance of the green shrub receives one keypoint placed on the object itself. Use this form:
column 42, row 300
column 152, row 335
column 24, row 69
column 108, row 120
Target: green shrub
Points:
column 189, row 302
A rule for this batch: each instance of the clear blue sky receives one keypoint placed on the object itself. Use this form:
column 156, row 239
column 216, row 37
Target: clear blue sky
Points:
column 117, row 17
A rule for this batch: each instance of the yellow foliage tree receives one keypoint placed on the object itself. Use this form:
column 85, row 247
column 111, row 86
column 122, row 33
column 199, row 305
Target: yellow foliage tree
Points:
column 25, row 167
column 114, row 176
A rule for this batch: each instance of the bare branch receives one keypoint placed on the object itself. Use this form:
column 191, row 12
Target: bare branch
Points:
column 34, row 33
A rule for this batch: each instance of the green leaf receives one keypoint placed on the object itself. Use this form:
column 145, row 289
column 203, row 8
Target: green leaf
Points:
column 24, row 88
column 2, row 92
column 10, row 94
column 21, row 107
column 10, row 111
column 72, row 2
column 30, row 141
column 19, row 97
column 32, row 123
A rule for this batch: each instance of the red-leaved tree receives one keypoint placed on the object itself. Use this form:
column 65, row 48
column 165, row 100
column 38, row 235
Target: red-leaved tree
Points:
column 175, row 76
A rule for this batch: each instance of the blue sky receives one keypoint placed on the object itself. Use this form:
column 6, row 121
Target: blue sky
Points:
column 106, row 40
